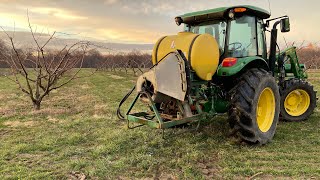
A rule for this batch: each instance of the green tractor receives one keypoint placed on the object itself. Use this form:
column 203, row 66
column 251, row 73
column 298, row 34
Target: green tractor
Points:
column 220, row 64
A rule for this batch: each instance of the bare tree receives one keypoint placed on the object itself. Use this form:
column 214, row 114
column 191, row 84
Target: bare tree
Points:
column 37, row 72
column 309, row 55
column 135, row 61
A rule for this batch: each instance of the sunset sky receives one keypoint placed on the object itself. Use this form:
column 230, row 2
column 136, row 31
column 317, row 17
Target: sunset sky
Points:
column 141, row 21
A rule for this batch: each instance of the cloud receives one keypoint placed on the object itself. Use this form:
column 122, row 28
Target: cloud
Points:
column 140, row 20
column 109, row 2
column 129, row 35
column 55, row 12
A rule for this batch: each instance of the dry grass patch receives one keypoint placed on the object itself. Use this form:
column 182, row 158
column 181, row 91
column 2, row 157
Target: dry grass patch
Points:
column 116, row 76
column 85, row 86
column 97, row 116
column 54, row 120
column 314, row 78
column 51, row 111
column 6, row 111
column 2, row 96
column 20, row 124
column 86, row 98
column 101, row 111
column 98, row 107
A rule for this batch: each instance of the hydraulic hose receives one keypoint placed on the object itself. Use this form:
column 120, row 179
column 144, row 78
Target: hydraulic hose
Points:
column 119, row 114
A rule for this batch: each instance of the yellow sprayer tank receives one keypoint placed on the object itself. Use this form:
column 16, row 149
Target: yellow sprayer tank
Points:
column 202, row 51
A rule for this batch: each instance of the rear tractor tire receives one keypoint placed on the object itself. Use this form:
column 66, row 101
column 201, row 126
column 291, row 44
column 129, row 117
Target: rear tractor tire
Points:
column 255, row 107
column 298, row 100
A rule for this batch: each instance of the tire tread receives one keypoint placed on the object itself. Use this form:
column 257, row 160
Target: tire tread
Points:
column 242, row 105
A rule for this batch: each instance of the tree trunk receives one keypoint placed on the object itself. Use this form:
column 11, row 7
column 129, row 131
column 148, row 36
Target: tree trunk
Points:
column 36, row 105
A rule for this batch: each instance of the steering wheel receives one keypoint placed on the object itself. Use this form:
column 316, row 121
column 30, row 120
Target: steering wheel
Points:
column 236, row 45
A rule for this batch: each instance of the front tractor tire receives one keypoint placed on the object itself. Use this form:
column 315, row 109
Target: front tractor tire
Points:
column 255, row 107
column 298, row 100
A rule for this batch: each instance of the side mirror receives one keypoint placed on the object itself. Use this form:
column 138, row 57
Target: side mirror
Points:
column 178, row 20
column 285, row 25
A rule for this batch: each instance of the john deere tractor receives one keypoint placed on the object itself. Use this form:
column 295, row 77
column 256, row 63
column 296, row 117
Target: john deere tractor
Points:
column 220, row 64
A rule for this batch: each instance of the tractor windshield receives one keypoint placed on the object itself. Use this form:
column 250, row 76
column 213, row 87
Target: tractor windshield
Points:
column 242, row 41
column 215, row 28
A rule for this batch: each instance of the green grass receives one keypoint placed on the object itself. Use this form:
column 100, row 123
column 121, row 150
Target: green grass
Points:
column 77, row 133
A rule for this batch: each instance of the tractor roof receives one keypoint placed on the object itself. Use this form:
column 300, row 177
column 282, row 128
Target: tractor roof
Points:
column 220, row 13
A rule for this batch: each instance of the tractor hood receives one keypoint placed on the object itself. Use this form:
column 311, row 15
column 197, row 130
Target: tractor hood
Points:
column 222, row 13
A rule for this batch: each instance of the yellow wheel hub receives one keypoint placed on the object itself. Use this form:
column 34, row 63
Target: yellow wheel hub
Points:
column 297, row 102
column 266, row 109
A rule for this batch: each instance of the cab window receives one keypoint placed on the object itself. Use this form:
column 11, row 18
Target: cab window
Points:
column 242, row 37
column 261, row 39
column 215, row 28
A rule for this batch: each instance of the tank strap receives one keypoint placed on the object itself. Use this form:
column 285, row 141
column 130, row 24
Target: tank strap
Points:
column 190, row 49
column 157, row 48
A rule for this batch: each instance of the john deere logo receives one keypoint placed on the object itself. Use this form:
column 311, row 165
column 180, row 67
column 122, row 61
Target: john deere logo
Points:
column 173, row 45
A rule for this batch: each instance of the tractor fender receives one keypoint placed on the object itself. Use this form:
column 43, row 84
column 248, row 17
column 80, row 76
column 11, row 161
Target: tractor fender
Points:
column 243, row 64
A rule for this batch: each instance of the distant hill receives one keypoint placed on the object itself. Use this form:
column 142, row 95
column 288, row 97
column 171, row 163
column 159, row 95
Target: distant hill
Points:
column 25, row 40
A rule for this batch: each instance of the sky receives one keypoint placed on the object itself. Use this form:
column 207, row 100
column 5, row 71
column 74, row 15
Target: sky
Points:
column 141, row 21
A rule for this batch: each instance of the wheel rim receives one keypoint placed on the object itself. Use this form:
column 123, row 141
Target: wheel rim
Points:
column 266, row 109
column 297, row 102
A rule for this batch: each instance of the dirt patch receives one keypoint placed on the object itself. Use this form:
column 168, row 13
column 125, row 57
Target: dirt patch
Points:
column 165, row 176
column 5, row 132
column 76, row 176
column 6, row 111
column 20, row 124
column 116, row 77
column 209, row 168
column 209, row 171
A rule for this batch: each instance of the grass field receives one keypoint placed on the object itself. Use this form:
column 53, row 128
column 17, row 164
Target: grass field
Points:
column 76, row 134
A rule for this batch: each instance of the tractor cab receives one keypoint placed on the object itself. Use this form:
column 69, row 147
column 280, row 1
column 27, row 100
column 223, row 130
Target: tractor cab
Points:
column 239, row 31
